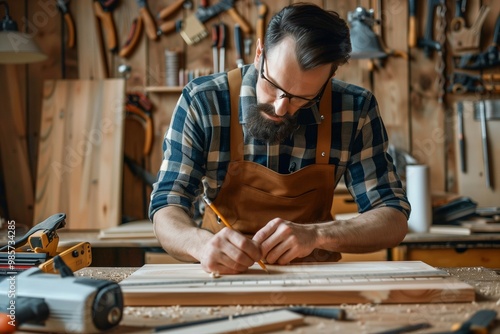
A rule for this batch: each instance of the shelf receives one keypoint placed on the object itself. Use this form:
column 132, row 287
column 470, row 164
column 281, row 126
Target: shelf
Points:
column 163, row 89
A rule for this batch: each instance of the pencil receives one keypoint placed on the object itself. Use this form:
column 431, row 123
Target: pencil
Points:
column 214, row 209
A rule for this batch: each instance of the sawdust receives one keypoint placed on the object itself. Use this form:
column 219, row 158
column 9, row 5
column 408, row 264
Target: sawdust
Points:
column 362, row 318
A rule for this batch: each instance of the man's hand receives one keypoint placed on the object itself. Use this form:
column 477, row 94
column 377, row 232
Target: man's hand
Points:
column 282, row 241
column 229, row 252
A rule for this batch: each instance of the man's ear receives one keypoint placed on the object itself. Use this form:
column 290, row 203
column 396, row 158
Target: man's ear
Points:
column 258, row 52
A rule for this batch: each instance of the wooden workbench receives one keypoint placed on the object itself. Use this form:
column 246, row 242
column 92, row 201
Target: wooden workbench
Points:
column 362, row 318
column 438, row 250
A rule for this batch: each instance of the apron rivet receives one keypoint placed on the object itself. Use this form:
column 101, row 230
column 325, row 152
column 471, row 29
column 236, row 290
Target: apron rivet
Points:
column 322, row 117
column 323, row 154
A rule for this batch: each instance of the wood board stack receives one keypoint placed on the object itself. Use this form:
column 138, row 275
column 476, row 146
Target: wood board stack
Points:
column 379, row 282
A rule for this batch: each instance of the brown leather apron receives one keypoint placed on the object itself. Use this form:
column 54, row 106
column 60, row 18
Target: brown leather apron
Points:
column 252, row 194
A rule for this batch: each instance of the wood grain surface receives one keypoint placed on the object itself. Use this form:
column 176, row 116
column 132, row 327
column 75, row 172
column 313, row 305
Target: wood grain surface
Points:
column 81, row 152
column 379, row 282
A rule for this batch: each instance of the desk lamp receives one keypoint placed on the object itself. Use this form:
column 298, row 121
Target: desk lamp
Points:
column 16, row 47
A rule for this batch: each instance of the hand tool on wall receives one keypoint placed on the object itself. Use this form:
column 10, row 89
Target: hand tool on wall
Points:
column 463, row 39
column 170, row 26
column 480, row 110
column 144, row 19
column 139, row 106
column 484, row 60
column 484, row 137
column 412, row 23
column 427, row 42
column 461, row 135
column 149, row 22
column 103, row 10
column 215, row 45
column 70, row 24
column 192, row 29
column 222, row 47
column 461, row 83
column 133, row 38
column 238, row 41
column 261, row 20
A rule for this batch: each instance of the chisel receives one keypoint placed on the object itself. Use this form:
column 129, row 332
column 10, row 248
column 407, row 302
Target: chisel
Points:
column 461, row 136
column 484, row 136
column 238, row 41
column 222, row 47
column 215, row 52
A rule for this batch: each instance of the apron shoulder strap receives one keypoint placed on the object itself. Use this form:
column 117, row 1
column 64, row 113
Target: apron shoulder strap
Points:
column 323, row 145
column 236, row 137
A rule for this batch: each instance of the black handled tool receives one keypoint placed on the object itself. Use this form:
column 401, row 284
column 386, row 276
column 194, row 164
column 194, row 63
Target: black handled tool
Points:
column 484, row 60
column 427, row 42
column 238, row 42
column 50, row 224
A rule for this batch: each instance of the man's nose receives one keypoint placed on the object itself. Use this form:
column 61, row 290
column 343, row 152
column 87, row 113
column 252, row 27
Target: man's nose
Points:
column 281, row 106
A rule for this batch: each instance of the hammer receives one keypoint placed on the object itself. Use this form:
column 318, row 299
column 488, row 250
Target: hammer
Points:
column 427, row 43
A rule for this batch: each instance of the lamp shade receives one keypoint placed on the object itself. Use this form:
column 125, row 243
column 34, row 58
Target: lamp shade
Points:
column 365, row 43
column 18, row 48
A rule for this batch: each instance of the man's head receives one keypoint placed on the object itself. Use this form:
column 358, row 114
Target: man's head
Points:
column 304, row 45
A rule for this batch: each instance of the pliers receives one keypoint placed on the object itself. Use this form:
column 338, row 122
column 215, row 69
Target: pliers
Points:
column 144, row 19
column 63, row 7
column 104, row 11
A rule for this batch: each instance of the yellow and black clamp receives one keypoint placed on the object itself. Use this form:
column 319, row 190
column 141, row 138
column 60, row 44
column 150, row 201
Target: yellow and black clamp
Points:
column 44, row 241
column 75, row 258
column 48, row 226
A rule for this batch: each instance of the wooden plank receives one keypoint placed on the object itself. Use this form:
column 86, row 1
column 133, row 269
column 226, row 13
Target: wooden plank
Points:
column 16, row 170
column 260, row 322
column 80, row 152
column 386, row 282
column 92, row 57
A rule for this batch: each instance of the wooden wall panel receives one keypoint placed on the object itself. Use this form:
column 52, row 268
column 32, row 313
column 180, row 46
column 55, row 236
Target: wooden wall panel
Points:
column 404, row 88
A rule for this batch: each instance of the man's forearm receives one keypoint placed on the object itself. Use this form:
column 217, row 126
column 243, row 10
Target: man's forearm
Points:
column 371, row 231
column 178, row 234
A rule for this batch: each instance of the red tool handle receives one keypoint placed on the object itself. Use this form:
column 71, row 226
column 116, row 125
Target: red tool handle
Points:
column 215, row 36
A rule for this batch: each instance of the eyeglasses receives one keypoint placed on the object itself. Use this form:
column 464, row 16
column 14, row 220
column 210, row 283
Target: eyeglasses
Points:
column 294, row 100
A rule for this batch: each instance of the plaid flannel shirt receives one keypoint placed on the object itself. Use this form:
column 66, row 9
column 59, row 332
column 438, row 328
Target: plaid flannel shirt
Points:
column 196, row 145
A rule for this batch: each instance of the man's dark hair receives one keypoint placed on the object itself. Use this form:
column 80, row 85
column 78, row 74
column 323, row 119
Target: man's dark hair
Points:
column 321, row 36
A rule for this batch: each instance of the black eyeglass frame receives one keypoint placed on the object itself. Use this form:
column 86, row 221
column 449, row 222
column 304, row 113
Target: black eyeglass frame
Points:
column 308, row 104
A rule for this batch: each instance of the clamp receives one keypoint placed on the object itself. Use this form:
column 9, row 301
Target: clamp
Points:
column 138, row 106
column 43, row 238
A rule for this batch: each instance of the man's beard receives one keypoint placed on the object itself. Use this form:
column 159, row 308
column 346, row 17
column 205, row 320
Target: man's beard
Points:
column 264, row 129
